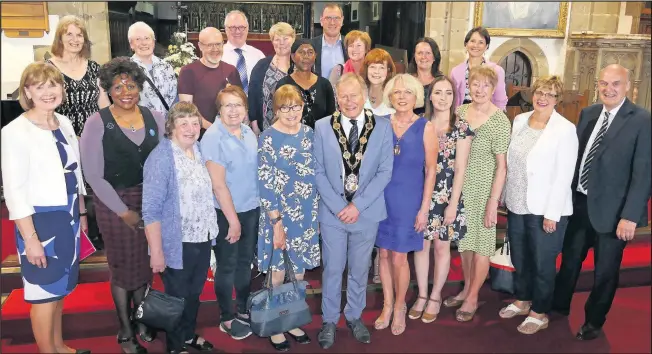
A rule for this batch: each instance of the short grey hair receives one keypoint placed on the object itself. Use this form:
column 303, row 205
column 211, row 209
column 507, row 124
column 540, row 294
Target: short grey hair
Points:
column 349, row 77
column 411, row 83
column 235, row 12
column 140, row 25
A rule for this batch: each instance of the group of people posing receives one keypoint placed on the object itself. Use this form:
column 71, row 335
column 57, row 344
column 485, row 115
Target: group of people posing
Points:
column 322, row 150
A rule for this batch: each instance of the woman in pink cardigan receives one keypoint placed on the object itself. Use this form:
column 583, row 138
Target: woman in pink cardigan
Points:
column 477, row 43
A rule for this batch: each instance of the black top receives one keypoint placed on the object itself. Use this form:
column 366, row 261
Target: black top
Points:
column 319, row 100
column 124, row 160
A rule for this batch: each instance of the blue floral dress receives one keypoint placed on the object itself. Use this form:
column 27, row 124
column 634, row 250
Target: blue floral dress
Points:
column 58, row 229
column 444, row 188
column 286, row 178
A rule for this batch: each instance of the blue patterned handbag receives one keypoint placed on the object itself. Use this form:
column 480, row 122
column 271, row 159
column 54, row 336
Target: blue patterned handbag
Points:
column 275, row 310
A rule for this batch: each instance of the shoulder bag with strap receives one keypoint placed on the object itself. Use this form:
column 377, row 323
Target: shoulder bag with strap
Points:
column 158, row 93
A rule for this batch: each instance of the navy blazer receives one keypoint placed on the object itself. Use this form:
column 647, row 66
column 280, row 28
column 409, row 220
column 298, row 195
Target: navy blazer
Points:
column 620, row 179
column 316, row 43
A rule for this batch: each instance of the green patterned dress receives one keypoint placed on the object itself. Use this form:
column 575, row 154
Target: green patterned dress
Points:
column 491, row 139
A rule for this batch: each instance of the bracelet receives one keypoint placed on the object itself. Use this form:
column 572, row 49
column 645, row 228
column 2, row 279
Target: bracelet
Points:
column 32, row 235
column 275, row 220
column 83, row 214
column 494, row 198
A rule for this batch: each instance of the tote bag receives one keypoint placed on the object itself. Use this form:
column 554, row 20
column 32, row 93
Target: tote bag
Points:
column 275, row 310
column 501, row 270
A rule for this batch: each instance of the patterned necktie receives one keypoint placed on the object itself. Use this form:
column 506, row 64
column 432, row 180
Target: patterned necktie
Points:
column 584, row 177
column 353, row 135
column 242, row 70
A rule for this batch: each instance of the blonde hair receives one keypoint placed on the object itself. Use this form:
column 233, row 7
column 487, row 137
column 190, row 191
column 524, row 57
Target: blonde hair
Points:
column 483, row 72
column 352, row 77
column 354, row 36
column 282, row 29
column 62, row 27
column 36, row 74
column 284, row 95
column 180, row 110
column 411, row 83
column 550, row 82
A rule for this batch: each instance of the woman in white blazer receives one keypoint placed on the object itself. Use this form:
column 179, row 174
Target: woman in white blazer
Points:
column 44, row 192
column 540, row 165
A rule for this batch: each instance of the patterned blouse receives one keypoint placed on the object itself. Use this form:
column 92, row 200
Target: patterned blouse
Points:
column 162, row 75
column 81, row 96
column 272, row 76
column 516, row 183
column 198, row 216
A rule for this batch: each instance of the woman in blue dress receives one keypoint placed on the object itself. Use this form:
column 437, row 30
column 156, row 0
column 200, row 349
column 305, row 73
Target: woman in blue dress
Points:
column 407, row 196
column 288, row 194
column 43, row 184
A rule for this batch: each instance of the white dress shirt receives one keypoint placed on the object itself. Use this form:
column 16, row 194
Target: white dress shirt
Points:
column 381, row 110
column 251, row 54
column 596, row 128
column 346, row 123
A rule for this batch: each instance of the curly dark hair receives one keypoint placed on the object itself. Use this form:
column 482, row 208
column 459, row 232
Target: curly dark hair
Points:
column 117, row 67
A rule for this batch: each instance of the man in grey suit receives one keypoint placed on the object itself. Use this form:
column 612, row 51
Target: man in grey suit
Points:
column 354, row 160
column 611, row 188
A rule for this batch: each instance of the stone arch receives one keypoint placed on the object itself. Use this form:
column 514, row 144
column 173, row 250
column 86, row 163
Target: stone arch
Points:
column 531, row 50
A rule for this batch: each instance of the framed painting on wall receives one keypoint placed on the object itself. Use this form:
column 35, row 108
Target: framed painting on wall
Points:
column 522, row 19
column 375, row 13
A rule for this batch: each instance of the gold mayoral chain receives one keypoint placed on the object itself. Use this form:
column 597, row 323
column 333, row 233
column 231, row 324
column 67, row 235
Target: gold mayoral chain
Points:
column 351, row 182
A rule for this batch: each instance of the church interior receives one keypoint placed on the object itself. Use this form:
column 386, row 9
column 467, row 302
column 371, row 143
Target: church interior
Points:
column 583, row 38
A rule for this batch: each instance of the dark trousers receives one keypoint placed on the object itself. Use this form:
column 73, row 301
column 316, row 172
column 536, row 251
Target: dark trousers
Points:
column 187, row 283
column 234, row 263
column 534, row 255
column 608, row 253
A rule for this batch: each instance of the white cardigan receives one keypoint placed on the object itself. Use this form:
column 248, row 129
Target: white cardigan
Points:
column 32, row 173
column 550, row 166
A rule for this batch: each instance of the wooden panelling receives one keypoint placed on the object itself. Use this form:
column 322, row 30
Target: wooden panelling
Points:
column 25, row 19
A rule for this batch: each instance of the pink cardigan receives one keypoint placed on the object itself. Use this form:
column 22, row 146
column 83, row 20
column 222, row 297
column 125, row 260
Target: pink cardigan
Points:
column 458, row 75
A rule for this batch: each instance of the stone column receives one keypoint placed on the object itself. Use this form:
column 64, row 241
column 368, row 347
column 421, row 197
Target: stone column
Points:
column 447, row 23
column 96, row 18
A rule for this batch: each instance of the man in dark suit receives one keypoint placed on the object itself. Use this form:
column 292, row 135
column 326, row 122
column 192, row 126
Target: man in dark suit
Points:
column 330, row 45
column 611, row 188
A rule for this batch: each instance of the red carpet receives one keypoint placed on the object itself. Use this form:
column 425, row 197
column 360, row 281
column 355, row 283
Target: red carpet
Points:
column 626, row 331
column 89, row 297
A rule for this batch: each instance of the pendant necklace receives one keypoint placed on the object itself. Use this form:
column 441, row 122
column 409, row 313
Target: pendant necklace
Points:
column 397, row 146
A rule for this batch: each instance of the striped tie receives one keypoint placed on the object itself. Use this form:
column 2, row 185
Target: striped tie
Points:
column 584, row 177
column 353, row 136
column 242, row 70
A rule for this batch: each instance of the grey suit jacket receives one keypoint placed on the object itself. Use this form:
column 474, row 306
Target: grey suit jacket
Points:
column 620, row 178
column 375, row 173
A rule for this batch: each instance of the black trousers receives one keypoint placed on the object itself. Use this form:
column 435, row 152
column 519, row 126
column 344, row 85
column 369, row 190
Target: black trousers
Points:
column 187, row 283
column 608, row 253
column 234, row 263
column 534, row 255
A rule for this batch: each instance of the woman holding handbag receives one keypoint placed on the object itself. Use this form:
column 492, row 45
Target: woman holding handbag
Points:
column 160, row 90
column 288, row 194
column 180, row 221
column 540, row 165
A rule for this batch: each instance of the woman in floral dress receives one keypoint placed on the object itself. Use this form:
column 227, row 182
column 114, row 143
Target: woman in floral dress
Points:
column 286, row 177
column 447, row 220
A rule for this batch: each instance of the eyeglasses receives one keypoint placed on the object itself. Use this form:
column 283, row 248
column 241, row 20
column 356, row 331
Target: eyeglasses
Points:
column 332, row 19
column 547, row 95
column 237, row 28
column 233, row 106
column 212, row 45
column 286, row 109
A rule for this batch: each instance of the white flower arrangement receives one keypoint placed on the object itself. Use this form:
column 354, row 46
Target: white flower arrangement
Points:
column 180, row 52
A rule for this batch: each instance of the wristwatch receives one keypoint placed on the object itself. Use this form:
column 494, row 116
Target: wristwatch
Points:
column 275, row 220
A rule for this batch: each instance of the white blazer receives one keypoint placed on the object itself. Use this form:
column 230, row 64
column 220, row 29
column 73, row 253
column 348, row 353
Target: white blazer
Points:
column 32, row 173
column 550, row 166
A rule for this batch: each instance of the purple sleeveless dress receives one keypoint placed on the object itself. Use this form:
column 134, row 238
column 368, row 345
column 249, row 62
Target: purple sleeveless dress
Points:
column 404, row 193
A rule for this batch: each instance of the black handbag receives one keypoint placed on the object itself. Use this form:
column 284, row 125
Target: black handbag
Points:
column 275, row 310
column 160, row 310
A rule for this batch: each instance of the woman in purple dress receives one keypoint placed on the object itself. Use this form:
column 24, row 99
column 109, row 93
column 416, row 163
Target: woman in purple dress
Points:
column 407, row 195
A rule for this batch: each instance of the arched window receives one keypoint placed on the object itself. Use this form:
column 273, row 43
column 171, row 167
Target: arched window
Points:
column 518, row 69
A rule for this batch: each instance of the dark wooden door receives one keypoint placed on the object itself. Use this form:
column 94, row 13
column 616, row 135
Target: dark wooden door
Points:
column 518, row 69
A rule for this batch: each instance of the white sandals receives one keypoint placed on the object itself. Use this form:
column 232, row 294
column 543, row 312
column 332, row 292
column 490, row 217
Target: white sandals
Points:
column 535, row 325
column 513, row 311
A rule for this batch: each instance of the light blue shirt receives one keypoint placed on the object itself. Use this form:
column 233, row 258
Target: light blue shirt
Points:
column 331, row 55
column 240, row 159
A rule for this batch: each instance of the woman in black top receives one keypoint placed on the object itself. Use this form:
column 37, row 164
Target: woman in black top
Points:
column 317, row 93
